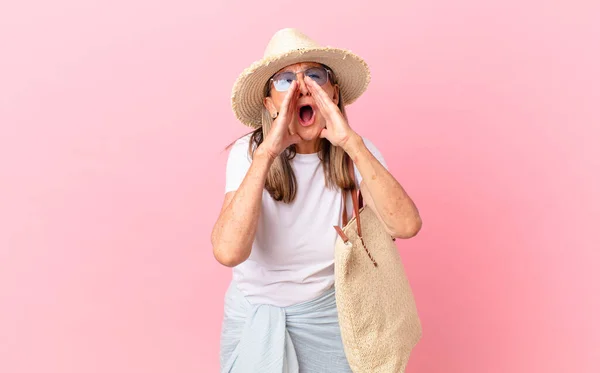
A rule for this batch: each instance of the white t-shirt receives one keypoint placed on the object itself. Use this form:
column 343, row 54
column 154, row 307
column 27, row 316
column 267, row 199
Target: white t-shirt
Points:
column 293, row 251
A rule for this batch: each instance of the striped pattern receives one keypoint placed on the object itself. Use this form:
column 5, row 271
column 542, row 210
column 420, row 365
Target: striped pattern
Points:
column 303, row 338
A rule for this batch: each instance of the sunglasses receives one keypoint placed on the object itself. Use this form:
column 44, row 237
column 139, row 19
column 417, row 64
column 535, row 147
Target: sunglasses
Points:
column 283, row 80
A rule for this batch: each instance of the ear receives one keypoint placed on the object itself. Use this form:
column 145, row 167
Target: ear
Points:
column 268, row 102
column 336, row 94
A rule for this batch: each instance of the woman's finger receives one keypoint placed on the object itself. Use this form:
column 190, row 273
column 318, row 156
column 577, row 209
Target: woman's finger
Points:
column 321, row 97
column 313, row 91
column 293, row 106
column 318, row 90
column 289, row 98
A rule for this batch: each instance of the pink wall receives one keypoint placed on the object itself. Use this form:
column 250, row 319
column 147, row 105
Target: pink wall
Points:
column 115, row 114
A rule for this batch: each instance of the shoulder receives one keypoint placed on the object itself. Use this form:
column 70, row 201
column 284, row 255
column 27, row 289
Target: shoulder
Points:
column 243, row 141
column 376, row 153
column 374, row 149
column 239, row 150
column 238, row 163
column 368, row 143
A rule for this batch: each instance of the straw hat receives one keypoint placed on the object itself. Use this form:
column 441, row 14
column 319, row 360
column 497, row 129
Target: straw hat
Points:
column 289, row 46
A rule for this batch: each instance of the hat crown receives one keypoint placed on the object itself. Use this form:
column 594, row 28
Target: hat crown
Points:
column 288, row 39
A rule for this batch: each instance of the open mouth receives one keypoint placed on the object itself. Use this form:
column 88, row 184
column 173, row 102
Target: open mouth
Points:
column 306, row 115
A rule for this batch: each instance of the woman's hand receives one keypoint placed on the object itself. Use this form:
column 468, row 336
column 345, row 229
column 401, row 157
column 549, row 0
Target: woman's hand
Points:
column 281, row 135
column 336, row 130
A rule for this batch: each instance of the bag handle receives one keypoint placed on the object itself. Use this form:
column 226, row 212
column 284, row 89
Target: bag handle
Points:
column 357, row 204
column 357, row 200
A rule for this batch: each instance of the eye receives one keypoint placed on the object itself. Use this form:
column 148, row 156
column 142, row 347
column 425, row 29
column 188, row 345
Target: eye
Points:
column 316, row 74
column 286, row 77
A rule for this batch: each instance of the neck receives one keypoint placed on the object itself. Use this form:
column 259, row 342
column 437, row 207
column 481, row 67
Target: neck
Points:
column 308, row 147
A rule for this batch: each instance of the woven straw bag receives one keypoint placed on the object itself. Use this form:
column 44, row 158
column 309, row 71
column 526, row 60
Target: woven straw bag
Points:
column 378, row 316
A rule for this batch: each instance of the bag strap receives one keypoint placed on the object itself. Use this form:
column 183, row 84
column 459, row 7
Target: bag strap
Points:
column 357, row 204
column 357, row 200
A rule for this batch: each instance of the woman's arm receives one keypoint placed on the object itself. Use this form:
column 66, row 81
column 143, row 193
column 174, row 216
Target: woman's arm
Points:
column 383, row 192
column 379, row 188
column 234, row 231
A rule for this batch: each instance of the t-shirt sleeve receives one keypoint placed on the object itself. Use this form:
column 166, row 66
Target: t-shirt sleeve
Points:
column 238, row 164
column 373, row 149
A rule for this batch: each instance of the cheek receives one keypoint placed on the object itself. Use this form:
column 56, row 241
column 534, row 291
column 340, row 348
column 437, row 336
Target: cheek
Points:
column 331, row 92
column 277, row 99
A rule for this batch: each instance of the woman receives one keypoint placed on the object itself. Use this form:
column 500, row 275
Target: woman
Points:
column 284, row 185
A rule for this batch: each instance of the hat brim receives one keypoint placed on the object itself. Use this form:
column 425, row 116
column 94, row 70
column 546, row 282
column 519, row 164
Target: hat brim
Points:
column 247, row 96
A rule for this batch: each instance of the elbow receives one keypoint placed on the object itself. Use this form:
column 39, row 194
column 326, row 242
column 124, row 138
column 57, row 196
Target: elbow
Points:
column 408, row 229
column 227, row 254
column 229, row 257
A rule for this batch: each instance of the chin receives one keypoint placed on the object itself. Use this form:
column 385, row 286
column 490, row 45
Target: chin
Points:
column 311, row 132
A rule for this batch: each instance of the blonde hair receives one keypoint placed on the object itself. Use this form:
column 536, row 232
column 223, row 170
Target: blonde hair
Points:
column 281, row 181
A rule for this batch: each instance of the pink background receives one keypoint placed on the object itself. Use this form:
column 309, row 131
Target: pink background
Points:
column 114, row 116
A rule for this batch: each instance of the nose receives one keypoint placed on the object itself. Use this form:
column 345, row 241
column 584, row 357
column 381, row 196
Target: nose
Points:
column 302, row 85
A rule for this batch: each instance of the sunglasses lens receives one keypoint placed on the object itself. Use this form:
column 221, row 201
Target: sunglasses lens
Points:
column 283, row 81
column 317, row 74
